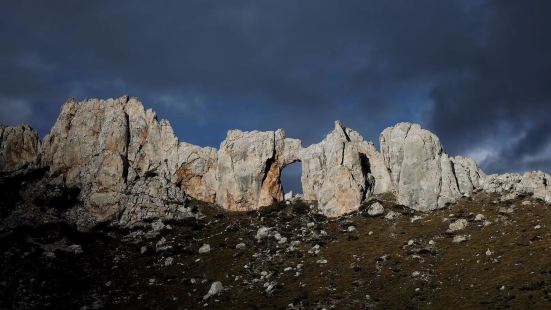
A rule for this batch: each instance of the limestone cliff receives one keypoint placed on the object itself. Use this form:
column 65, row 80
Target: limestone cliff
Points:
column 130, row 167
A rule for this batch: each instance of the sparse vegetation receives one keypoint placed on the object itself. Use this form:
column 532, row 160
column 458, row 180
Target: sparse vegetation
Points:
column 355, row 261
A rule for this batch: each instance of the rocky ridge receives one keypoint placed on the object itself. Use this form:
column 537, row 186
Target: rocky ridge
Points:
column 128, row 167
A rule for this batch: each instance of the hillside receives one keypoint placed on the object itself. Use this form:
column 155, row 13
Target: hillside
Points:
column 398, row 259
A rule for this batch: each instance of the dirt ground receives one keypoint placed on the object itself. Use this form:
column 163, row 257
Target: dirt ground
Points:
column 300, row 260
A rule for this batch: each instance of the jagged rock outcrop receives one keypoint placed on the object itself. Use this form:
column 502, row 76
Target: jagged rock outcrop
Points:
column 249, row 168
column 19, row 147
column 382, row 182
column 511, row 185
column 468, row 175
column 155, row 149
column 129, row 167
column 423, row 175
column 337, row 172
column 127, row 164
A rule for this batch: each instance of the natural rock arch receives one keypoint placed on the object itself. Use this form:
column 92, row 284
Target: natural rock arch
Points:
column 250, row 165
column 130, row 167
column 288, row 177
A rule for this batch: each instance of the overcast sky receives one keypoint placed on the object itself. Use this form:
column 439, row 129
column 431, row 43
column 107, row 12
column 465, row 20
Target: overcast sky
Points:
column 476, row 73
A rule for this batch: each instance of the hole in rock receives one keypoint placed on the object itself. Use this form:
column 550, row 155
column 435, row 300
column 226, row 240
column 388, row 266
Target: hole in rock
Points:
column 290, row 178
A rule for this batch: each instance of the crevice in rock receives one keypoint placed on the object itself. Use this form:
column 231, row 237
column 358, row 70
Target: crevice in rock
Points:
column 364, row 162
column 125, row 164
column 2, row 137
column 345, row 134
column 269, row 163
column 401, row 153
column 342, row 153
column 267, row 167
column 366, row 172
column 455, row 176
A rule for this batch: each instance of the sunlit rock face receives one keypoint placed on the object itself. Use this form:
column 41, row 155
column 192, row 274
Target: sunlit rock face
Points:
column 469, row 176
column 423, row 175
column 249, row 168
column 130, row 167
column 338, row 173
column 19, row 147
column 512, row 185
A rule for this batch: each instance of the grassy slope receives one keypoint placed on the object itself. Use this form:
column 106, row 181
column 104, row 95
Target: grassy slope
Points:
column 380, row 264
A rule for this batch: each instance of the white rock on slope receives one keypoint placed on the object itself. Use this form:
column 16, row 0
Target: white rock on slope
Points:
column 376, row 209
column 215, row 289
column 204, row 249
column 458, row 225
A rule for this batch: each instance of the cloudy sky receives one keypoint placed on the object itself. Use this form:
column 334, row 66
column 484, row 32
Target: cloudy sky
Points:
column 477, row 73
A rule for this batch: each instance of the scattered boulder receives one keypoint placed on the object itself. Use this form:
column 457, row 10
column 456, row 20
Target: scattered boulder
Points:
column 169, row 261
column 458, row 225
column 204, row 249
column 215, row 289
column 263, row 232
column 391, row 215
column 376, row 209
column 288, row 196
column 158, row 225
column 460, row 238
column 74, row 248
column 506, row 210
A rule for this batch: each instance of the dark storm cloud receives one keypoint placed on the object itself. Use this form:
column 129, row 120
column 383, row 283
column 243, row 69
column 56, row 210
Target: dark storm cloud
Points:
column 476, row 72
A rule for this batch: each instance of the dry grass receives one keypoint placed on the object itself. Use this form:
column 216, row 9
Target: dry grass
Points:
column 370, row 267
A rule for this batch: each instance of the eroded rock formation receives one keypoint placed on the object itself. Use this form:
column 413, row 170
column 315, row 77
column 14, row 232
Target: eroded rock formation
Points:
column 130, row 167
column 337, row 172
column 424, row 176
column 469, row 176
column 19, row 147
column 249, row 168
column 511, row 185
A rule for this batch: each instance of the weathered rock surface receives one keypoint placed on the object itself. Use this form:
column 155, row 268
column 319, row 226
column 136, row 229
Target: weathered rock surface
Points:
column 129, row 167
column 469, row 176
column 249, row 168
column 19, row 147
column 376, row 209
column 512, row 185
column 337, row 171
column 423, row 175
